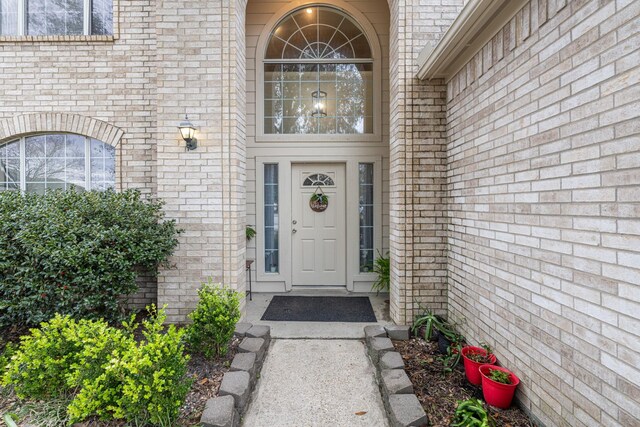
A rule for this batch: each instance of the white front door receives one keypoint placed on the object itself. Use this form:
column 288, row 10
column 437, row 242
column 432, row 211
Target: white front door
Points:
column 318, row 238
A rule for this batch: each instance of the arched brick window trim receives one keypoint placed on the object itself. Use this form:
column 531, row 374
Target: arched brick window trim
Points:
column 24, row 124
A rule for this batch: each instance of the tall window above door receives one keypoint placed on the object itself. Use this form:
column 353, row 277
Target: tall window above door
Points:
column 56, row 17
column 318, row 75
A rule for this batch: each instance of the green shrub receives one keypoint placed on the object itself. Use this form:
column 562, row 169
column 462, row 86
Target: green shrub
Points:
column 54, row 360
column 214, row 320
column 142, row 384
column 8, row 351
column 103, row 369
column 76, row 253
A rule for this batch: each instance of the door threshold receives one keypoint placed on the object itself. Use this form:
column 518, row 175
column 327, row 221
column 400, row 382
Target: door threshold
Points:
column 321, row 290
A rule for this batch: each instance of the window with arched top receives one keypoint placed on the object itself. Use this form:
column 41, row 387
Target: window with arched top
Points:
column 318, row 180
column 318, row 75
column 56, row 161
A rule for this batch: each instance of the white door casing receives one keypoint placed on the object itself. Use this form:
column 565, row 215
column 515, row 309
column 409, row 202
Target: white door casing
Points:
column 318, row 239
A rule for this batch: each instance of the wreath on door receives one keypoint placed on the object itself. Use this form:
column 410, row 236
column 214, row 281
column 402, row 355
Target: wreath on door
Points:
column 319, row 201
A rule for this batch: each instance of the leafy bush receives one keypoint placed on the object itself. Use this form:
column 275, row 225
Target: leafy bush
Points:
column 75, row 252
column 214, row 319
column 382, row 267
column 144, row 383
column 54, row 359
column 8, row 351
column 113, row 376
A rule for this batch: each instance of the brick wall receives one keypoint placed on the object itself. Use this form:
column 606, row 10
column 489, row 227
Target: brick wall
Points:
column 201, row 73
column 417, row 172
column 544, row 200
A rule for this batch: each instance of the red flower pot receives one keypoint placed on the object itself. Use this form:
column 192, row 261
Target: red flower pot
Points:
column 495, row 393
column 471, row 367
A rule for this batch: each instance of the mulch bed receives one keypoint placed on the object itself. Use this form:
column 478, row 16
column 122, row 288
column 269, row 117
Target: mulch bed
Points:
column 439, row 392
column 207, row 375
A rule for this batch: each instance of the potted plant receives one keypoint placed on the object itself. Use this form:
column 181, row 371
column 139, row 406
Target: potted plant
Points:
column 498, row 385
column 473, row 357
column 251, row 232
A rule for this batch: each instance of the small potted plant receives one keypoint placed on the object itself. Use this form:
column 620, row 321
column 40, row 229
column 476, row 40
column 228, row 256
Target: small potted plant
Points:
column 498, row 385
column 473, row 357
column 250, row 232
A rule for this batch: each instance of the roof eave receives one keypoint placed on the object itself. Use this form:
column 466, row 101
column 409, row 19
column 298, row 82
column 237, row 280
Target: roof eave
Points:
column 476, row 24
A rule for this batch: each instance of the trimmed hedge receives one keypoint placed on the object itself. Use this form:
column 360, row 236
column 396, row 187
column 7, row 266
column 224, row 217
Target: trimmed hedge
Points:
column 76, row 253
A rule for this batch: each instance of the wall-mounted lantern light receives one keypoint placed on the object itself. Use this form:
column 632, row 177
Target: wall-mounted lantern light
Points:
column 188, row 132
column 319, row 103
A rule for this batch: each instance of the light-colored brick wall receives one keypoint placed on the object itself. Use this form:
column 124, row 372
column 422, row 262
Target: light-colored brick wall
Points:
column 544, row 203
column 417, row 148
column 200, row 71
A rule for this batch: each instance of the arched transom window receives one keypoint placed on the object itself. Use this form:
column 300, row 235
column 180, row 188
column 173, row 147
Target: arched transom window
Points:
column 318, row 180
column 56, row 161
column 318, row 75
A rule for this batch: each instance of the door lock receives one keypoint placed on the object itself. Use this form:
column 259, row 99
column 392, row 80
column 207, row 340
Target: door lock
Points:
column 294, row 222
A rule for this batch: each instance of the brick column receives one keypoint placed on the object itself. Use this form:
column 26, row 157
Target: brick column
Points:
column 200, row 71
column 418, row 161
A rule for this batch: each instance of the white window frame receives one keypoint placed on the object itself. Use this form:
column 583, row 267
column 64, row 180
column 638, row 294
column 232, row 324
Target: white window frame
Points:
column 22, row 143
column 376, row 60
column 86, row 21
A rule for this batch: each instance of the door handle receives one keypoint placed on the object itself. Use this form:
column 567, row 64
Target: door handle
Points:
column 294, row 231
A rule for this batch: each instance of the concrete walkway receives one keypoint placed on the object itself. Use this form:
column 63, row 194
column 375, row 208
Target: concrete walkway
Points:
column 316, row 382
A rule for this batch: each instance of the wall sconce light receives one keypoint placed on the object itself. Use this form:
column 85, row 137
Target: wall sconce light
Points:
column 319, row 103
column 188, row 132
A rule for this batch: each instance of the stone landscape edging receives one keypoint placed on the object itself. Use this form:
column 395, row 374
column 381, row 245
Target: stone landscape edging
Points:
column 238, row 383
column 402, row 405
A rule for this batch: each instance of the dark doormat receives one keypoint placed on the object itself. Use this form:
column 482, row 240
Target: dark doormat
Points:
column 319, row 309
